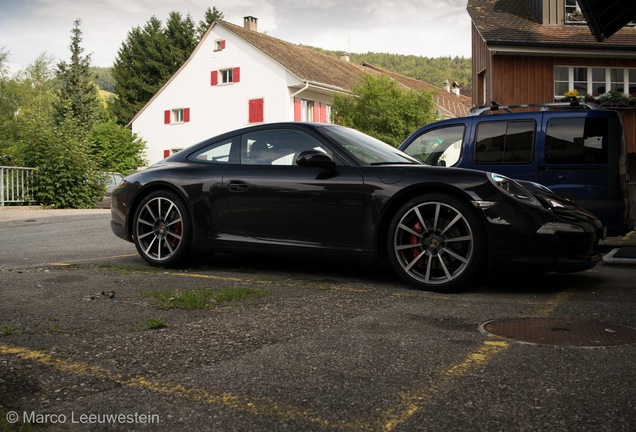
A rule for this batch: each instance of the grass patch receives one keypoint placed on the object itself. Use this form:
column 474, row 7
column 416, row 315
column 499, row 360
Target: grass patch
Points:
column 8, row 330
column 202, row 298
column 155, row 324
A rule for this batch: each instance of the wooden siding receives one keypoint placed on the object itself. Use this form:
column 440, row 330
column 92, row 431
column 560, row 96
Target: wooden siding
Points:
column 480, row 67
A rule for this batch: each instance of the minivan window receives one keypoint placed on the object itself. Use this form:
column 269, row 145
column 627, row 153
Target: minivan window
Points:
column 440, row 146
column 504, row 142
column 576, row 141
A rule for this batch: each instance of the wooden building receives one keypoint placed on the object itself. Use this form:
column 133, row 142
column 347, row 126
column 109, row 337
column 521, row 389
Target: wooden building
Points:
column 533, row 51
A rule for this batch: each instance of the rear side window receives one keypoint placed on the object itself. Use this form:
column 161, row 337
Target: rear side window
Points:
column 576, row 141
column 504, row 142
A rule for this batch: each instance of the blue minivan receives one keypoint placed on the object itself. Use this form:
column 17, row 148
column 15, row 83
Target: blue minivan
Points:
column 577, row 150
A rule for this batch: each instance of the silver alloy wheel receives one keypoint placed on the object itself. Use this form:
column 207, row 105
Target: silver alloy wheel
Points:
column 159, row 228
column 433, row 243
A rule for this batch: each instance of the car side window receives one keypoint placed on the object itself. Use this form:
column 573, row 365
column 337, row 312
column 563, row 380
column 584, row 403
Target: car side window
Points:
column 576, row 141
column 219, row 152
column 277, row 147
column 440, row 146
column 504, row 142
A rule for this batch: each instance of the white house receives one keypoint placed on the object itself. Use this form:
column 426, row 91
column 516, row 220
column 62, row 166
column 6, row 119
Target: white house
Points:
column 237, row 76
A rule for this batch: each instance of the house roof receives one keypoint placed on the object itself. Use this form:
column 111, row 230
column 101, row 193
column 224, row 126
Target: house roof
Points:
column 511, row 22
column 449, row 103
column 306, row 63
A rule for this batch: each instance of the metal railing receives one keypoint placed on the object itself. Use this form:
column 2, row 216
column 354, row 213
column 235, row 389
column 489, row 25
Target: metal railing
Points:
column 16, row 185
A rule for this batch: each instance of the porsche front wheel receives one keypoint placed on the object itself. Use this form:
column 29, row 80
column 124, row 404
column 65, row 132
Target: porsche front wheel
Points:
column 436, row 242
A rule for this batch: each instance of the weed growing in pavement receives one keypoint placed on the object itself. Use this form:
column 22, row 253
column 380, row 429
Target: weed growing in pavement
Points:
column 8, row 330
column 202, row 298
column 155, row 324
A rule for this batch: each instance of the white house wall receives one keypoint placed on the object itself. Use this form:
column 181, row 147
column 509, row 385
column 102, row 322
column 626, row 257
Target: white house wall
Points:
column 214, row 109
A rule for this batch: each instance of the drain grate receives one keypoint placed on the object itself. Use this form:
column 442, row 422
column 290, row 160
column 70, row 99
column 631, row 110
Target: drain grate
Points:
column 561, row 331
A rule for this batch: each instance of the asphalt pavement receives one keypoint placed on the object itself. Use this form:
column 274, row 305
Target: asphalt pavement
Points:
column 85, row 345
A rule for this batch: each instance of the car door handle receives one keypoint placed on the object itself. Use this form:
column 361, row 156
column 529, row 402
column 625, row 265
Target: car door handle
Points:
column 237, row 185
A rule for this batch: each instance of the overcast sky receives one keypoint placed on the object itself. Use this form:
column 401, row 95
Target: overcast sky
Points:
column 429, row 28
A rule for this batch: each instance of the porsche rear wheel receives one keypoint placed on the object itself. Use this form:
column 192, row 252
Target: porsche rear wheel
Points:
column 436, row 242
column 162, row 230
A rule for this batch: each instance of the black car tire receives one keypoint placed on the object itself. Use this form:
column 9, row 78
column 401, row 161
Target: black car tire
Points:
column 162, row 230
column 436, row 242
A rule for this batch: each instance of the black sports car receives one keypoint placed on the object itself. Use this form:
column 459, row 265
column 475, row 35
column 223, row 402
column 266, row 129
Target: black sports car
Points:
column 326, row 190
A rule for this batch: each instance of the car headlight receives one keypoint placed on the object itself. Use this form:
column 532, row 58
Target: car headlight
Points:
column 513, row 189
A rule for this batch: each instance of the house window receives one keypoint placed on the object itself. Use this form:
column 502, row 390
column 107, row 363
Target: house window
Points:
column 306, row 110
column 225, row 76
column 219, row 44
column 573, row 12
column 593, row 80
column 178, row 115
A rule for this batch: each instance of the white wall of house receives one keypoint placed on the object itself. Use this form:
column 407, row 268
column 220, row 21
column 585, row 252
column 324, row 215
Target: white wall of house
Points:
column 214, row 109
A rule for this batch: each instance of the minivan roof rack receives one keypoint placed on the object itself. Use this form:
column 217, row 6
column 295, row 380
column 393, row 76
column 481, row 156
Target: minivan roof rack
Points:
column 494, row 106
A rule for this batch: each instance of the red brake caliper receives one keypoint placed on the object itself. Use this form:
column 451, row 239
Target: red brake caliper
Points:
column 177, row 231
column 415, row 240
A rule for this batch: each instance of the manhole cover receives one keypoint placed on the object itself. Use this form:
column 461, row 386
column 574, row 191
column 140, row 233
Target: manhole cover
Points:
column 561, row 331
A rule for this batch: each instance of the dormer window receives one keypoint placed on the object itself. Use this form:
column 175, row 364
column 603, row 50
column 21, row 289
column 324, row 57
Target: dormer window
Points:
column 573, row 13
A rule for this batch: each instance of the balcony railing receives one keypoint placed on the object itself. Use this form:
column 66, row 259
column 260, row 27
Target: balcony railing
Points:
column 16, row 185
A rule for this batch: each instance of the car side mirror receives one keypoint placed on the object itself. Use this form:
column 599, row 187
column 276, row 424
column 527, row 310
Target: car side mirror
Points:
column 315, row 158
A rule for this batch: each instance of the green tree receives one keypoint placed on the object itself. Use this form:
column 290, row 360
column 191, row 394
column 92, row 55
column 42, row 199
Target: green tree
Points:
column 139, row 69
column 68, row 177
column 116, row 148
column 381, row 107
column 181, row 34
column 28, row 90
column 78, row 96
column 210, row 16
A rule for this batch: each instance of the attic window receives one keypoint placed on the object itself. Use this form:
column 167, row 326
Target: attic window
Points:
column 219, row 44
column 573, row 13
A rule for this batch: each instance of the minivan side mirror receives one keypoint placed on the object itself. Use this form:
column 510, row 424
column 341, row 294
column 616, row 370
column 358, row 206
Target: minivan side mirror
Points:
column 315, row 158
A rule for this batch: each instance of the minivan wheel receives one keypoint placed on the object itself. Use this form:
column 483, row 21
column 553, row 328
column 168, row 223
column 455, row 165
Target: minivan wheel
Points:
column 162, row 230
column 436, row 242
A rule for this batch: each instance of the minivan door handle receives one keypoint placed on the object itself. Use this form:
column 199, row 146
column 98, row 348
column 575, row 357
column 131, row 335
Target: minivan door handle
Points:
column 237, row 185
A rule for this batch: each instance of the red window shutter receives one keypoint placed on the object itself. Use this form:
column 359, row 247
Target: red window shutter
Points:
column 214, row 78
column 297, row 113
column 323, row 112
column 222, row 43
column 236, row 74
column 186, row 115
column 166, row 153
column 256, row 111
column 166, row 116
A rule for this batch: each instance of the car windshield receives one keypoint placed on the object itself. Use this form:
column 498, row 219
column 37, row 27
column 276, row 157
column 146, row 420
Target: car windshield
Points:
column 367, row 150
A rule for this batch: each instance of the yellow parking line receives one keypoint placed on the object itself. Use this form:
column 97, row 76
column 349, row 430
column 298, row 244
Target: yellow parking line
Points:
column 259, row 406
column 412, row 402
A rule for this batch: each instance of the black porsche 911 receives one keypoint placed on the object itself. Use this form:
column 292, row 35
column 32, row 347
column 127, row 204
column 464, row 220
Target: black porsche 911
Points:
column 326, row 190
